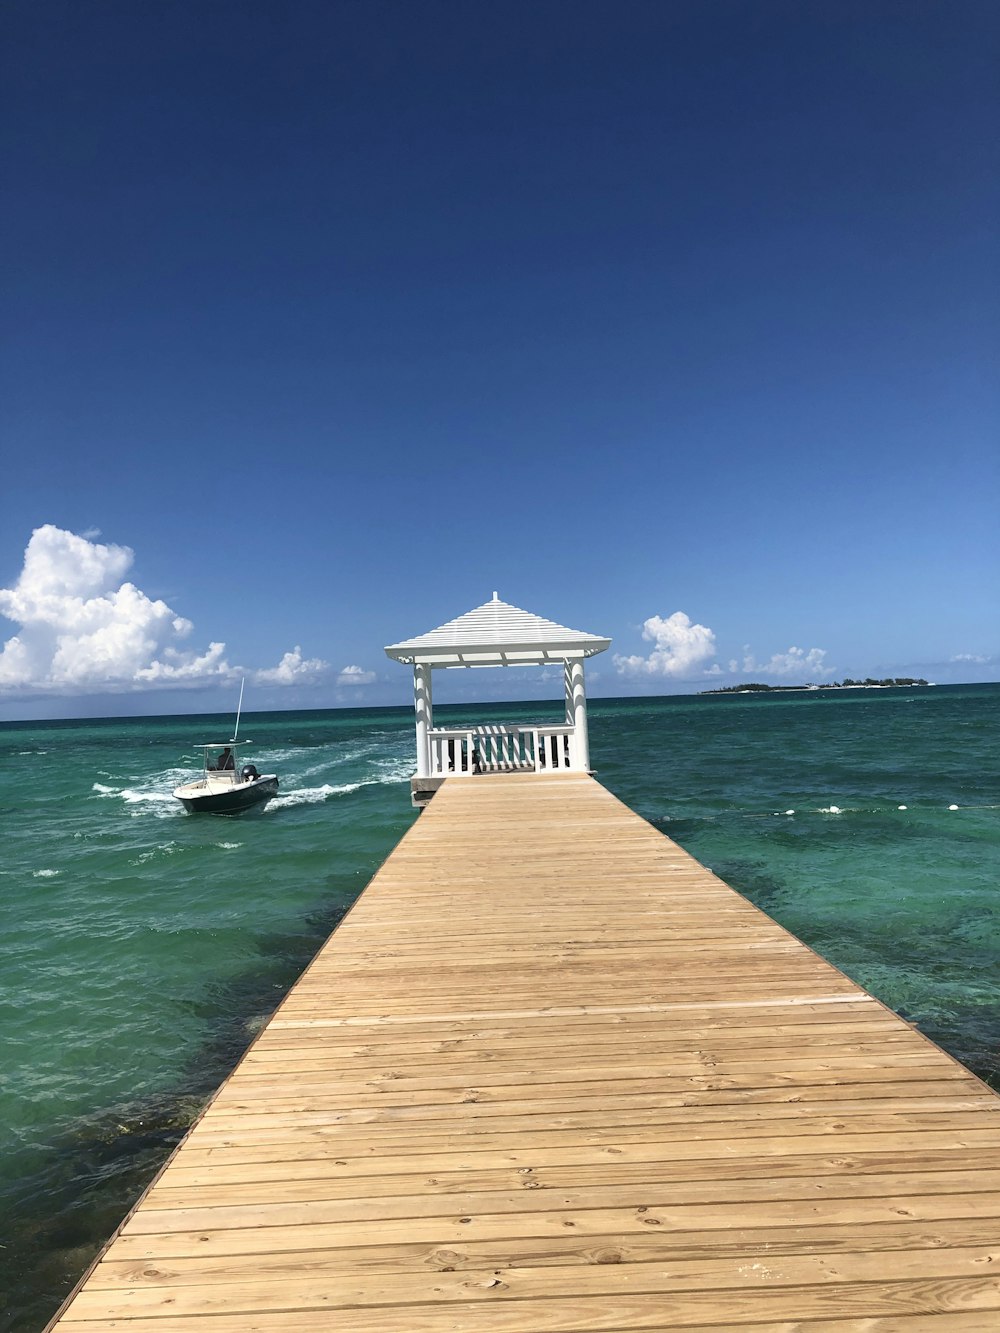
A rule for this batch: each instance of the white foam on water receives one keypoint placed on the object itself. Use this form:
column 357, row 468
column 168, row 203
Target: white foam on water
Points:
column 156, row 802
column 132, row 797
column 330, row 758
column 229, row 846
column 157, row 798
column 395, row 770
column 830, row 810
column 264, row 755
column 307, row 796
column 164, row 849
column 44, row 874
column 399, row 772
column 314, row 770
column 352, row 756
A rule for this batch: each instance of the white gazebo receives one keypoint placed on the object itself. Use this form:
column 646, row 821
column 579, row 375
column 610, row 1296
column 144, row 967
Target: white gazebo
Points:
column 497, row 634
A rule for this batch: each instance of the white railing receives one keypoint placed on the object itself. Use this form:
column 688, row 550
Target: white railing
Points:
column 464, row 751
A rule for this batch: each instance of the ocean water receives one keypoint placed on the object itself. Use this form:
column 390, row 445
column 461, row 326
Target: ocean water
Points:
column 141, row 947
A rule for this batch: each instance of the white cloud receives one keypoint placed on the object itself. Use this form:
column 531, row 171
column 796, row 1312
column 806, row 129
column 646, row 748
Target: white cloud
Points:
column 354, row 675
column 681, row 648
column 179, row 667
column 684, row 649
column 80, row 628
column 293, row 669
column 970, row 657
column 795, row 662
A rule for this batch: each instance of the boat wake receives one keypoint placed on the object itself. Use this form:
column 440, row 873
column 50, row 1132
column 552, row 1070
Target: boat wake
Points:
column 308, row 796
column 394, row 770
column 159, row 802
column 393, row 773
column 143, row 799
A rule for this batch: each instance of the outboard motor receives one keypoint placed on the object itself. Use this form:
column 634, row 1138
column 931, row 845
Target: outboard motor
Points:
column 248, row 773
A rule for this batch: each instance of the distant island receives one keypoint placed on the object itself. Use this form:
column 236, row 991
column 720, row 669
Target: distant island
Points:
column 755, row 687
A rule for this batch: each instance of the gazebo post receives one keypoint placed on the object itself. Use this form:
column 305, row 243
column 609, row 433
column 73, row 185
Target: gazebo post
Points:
column 423, row 705
column 568, row 689
column 576, row 714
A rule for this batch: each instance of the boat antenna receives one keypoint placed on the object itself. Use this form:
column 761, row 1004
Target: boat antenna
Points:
column 239, row 709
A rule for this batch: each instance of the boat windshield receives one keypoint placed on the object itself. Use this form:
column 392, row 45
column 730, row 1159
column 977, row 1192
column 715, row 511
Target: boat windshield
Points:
column 221, row 757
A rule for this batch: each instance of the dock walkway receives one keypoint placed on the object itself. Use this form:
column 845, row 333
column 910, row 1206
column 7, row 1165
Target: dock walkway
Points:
column 552, row 1074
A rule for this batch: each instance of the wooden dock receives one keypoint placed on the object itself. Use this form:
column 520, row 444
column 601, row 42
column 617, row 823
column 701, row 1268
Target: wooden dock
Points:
column 552, row 1074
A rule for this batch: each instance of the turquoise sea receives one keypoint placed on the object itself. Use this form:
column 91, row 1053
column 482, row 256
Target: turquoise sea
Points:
column 142, row 947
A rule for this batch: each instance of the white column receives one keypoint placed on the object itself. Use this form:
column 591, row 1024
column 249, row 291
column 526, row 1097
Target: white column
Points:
column 568, row 687
column 578, row 698
column 423, row 707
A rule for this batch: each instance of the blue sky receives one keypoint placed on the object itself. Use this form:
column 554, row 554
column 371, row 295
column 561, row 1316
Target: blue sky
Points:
column 674, row 322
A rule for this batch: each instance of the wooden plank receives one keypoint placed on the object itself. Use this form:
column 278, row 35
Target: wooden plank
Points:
column 322, row 1169
column 258, row 1294
column 551, row 1074
column 531, row 1193
column 742, row 1245
column 599, row 1314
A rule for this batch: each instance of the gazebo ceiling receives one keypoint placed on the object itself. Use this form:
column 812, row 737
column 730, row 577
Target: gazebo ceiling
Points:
column 497, row 634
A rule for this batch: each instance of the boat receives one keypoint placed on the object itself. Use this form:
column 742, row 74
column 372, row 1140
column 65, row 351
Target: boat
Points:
column 225, row 788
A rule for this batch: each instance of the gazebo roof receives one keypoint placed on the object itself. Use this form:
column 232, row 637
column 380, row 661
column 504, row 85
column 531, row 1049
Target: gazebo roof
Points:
column 497, row 634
